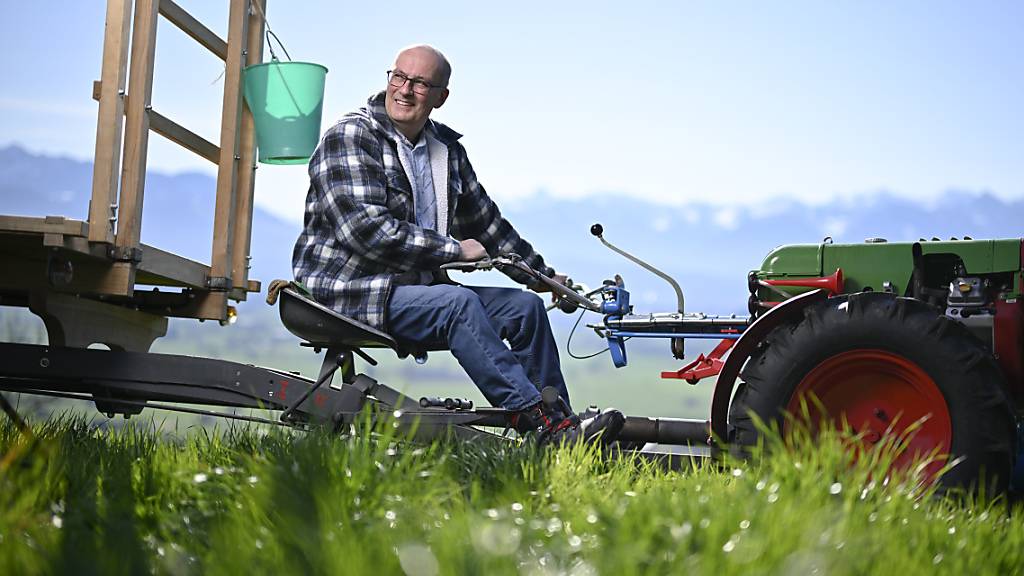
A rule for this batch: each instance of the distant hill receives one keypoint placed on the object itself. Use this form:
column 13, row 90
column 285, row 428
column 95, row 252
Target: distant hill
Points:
column 707, row 248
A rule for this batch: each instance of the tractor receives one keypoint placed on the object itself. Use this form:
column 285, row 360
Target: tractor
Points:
column 924, row 334
column 920, row 342
column 885, row 338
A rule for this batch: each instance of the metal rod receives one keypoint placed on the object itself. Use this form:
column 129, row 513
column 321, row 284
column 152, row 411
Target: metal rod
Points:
column 323, row 378
column 156, row 406
column 705, row 335
column 666, row 430
column 597, row 230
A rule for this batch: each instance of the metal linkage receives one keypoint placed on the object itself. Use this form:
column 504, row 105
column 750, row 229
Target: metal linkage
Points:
column 148, row 377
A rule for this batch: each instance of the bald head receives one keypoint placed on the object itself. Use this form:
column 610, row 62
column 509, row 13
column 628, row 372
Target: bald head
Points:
column 417, row 85
column 426, row 52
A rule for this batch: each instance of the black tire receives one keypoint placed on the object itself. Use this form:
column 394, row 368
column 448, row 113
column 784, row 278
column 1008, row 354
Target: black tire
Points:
column 982, row 422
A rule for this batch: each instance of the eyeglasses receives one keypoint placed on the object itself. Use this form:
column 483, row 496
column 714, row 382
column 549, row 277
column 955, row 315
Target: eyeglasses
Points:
column 421, row 87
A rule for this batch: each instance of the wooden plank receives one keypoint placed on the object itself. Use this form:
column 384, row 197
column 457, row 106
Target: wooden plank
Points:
column 247, row 162
column 47, row 225
column 28, row 276
column 25, row 265
column 32, row 239
column 170, row 269
column 184, row 137
column 133, row 175
column 175, row 132
column 107, row 158
column 208, row 306
column 179, row 17
column 222, row 250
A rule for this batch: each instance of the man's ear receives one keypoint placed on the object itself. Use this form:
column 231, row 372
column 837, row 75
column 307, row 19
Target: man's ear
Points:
column 441, row 100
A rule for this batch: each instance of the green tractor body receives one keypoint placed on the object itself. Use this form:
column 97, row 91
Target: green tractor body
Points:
column 925, row 336
column 876, row 265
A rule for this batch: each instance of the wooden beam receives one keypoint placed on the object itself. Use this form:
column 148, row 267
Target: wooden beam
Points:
column 247, row 161
column 222, row 250
column 107, row 158
column 179, row 17
column 47, row 225
column 183, row 137
column 133, row 175
column 25, row 261
column 174, row 132
column 170, row 269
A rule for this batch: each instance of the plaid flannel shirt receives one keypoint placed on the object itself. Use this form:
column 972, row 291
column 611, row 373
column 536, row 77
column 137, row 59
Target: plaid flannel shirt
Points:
column 360, row 238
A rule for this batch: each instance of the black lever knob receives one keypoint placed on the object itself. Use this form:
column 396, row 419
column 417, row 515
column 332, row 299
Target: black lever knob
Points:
column 597, row 230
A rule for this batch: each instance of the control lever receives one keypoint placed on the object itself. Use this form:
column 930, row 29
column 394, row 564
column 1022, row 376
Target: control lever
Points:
column 553, row 400
column 598, row 230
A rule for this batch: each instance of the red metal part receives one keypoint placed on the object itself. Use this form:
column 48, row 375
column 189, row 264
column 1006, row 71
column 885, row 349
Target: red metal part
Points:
column 703, row 366
column 1008, row 343
column 879, row 394
column 789, row 311
column 833, row 283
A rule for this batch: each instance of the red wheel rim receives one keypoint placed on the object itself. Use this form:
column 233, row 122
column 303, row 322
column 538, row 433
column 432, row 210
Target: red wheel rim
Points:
column 879, row 393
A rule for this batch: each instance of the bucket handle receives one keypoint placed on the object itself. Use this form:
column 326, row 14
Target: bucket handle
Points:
column 273, row 56
column 270, row 33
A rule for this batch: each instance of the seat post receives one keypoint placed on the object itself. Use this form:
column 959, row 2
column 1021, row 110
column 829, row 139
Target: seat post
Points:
column 348, row 365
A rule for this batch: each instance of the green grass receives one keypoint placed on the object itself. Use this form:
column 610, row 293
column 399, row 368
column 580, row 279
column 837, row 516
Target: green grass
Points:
column 86, row 499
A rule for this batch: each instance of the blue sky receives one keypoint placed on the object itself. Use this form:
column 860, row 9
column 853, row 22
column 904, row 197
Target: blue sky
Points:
column 723, row 102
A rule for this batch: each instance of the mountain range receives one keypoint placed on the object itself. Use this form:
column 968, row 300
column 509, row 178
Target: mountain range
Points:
column 707, row 248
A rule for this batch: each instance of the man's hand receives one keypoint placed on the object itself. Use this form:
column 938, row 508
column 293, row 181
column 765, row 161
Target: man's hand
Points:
column 471, row 250
column 541, row 287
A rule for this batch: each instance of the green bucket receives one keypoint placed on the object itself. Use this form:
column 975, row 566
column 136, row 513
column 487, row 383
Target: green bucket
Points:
column 286, row 100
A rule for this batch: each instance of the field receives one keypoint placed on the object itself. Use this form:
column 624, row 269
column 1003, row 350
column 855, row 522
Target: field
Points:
column 82, row 498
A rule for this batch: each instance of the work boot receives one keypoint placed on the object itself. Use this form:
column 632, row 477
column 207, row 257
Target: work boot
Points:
column 603, row 428
column 554, row 427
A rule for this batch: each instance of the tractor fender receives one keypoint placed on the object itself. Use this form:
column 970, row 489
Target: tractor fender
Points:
column 789, row 311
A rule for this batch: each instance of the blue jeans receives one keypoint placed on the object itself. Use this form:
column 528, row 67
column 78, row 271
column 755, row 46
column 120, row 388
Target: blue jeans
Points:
column 472, row 321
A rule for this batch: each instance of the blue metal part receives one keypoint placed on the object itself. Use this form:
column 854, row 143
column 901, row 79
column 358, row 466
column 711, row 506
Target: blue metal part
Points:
column 1017, row 476
column 707, row 335
column 617, row 349
column 614, row 305
column 615, row 301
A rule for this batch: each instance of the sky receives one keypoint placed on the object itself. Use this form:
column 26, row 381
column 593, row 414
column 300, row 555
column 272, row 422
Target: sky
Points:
column 728, row 103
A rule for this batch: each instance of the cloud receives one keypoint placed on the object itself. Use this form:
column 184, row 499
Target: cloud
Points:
column 727, row 218
column 834, row 227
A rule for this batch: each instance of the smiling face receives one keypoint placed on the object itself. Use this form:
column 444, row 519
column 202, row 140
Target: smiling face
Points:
column 407, row 109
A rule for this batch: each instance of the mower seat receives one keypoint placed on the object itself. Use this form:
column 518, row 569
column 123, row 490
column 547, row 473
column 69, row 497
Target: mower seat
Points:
column 322, row 327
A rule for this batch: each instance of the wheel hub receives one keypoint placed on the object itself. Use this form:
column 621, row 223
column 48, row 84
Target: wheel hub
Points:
column 880, row 394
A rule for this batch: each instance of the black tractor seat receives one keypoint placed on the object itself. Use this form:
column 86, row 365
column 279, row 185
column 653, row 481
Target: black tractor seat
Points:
column 322, row 327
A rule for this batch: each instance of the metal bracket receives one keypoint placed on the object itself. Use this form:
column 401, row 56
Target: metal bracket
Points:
column 125, row 254
column 703, row 366
column 218, row 282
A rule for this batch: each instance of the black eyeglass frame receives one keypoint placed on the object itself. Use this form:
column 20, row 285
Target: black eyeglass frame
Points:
column 416, row 82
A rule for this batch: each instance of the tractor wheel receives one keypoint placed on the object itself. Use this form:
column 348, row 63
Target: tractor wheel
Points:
column 881, row 363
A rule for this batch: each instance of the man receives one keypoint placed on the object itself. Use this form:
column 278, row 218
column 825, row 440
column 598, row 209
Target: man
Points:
column 392, row 197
